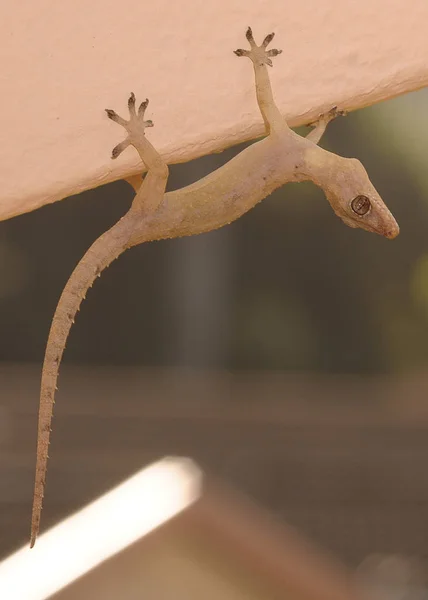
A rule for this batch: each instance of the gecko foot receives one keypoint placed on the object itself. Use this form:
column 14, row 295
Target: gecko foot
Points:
column 258, row 54
column 333, row 113
column 135, row 126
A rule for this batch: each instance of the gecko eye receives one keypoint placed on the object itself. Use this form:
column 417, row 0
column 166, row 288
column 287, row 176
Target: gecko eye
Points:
column 361, row 205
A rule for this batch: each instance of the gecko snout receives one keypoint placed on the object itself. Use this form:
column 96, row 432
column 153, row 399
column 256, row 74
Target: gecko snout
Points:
column 384, row 224
column 392, row 232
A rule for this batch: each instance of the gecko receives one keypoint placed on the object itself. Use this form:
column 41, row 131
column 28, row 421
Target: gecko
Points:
column 214, row 201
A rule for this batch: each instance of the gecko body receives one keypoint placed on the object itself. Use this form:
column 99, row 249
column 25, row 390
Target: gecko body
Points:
column 216, row 200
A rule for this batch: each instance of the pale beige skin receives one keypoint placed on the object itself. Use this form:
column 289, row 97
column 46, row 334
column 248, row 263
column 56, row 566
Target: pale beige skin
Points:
column 210, row 203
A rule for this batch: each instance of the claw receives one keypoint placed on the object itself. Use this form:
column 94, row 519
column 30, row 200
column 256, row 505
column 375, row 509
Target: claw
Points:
column 115, row 117
column 131, row 104
column 273, row 52
column 241, row 52
column 249, row 36
column 135, row 125
column 335, row 112
column 120, row 148
column 142, row 108
column 258, row 54
column 328, row 116
column 267, row 40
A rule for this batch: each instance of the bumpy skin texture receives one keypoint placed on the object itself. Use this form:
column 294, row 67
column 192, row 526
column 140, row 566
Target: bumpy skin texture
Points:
column 214, row 201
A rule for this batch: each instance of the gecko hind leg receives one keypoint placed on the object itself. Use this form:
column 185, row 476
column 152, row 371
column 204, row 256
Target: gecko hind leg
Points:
column 320, row 125
column 150, row 191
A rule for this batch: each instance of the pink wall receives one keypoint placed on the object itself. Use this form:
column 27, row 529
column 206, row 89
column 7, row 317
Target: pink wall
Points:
column 64, row 62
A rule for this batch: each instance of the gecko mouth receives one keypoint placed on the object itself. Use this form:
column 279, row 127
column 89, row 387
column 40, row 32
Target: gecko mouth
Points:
column 389, row 232
column 392, row 233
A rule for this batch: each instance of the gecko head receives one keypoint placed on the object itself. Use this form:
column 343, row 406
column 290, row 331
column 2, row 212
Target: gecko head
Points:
column 355, row 200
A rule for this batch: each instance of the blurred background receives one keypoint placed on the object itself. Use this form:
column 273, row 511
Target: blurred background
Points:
column 286, row 353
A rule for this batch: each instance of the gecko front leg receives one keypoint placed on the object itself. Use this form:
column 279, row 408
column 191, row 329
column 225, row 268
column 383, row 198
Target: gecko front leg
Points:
column 102, row 252
column 320, row 125
column 274, row 121
column 261, row 58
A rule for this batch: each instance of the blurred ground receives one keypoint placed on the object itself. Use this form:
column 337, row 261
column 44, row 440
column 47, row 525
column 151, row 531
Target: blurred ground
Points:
column 352, row 475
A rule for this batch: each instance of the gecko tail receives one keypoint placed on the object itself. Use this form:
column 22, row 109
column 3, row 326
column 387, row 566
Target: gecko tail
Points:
column 100, row 255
